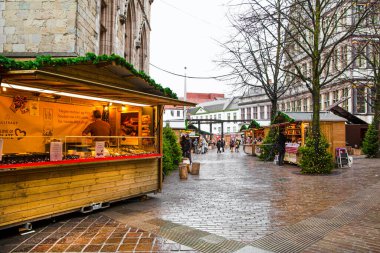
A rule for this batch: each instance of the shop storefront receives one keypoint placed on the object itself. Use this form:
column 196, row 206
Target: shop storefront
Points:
column 47, row 166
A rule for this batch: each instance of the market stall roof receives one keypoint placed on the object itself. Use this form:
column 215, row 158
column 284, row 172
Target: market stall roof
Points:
column 347, row 115
column 284, row 117
column 112, row 78
column 191, row 126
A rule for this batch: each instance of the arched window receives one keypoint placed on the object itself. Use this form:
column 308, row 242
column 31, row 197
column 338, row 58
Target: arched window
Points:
column 106, row 26
column 129, row 31
column 143, row 53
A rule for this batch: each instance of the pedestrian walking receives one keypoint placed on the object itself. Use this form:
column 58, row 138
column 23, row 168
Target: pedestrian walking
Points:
column 204, row 146
column 218, row 146
column 237, row 145
column 232, row 145
column 223, row 144
column 186, row 146
column 195, row 146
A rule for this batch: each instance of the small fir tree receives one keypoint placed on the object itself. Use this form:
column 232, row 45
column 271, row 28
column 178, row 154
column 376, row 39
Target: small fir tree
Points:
column 172, row 153
column 316, row 159
column 269, row 150
column 371, row 142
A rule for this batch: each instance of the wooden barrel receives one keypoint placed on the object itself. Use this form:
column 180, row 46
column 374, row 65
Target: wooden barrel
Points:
column 187, row 162
column 182, row 171
column 195, row 168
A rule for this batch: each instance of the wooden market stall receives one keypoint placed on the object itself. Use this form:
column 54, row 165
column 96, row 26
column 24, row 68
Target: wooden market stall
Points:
column 256, row 132
column 47, row 168
column 296, row 126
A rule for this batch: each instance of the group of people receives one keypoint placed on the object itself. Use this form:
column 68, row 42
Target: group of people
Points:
column 234, row 145
column 201, row 146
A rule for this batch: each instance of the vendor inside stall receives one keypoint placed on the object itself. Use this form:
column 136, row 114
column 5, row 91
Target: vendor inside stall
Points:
column 98, row 127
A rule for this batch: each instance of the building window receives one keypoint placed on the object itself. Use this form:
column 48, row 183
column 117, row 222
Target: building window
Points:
column 178, row 113
column 345, row 96
column 293, row 106
column 262, row 113
column 206, row 116
column 360, row 60
column 129, row 31
column 254, row 112
column 343, row 56
column 172, row 113
column 359, row 100
column 228, row 116
column 335, row 61
column 269, row 109
column 248, row 113
column 105, row 33
column 304, row 105
column 234, row 129
column 228, row 129
column 298, row 105
column 326, row 101
column 219, row 130
column 235, row 116
column 219, row 116
column 242, row 113
column 335, row 96
column 288, row 106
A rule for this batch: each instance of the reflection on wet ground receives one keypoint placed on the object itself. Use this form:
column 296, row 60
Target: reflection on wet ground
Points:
column 236, row 204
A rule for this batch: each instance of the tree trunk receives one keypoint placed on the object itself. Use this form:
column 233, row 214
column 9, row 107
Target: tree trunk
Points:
column 376, row 107
column 273, row 112
column 316, row 129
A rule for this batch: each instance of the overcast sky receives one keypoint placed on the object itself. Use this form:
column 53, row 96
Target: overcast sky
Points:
column 184, row 33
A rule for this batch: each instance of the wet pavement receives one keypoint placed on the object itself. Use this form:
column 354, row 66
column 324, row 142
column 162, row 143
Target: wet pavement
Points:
column 236, row 204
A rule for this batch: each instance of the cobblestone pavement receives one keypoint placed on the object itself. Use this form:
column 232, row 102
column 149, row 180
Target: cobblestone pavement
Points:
column 236, row 204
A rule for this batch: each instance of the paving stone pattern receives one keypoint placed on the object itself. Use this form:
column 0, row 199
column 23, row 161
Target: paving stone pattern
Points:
column 236, row 204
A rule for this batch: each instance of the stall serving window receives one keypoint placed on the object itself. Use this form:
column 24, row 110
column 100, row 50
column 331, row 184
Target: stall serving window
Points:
column 46, row 127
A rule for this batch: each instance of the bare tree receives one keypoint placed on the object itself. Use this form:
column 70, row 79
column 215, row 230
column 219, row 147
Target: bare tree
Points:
column 255, row 52
column 368, row 46
column 317, row 45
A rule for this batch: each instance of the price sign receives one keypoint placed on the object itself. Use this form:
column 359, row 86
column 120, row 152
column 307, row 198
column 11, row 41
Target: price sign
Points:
column 56, row 151
column 99, row 149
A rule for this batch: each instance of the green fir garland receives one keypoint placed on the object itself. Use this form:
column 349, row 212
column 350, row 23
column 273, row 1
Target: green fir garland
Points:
column 48, row 61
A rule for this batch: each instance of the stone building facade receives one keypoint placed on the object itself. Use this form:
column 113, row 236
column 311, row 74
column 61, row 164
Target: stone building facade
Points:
column 65, row 28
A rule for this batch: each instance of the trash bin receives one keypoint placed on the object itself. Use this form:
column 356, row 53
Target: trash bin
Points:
column 195, row 168
column 183, row 171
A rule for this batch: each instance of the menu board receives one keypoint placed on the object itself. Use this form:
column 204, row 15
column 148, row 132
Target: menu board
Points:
column 56, row 151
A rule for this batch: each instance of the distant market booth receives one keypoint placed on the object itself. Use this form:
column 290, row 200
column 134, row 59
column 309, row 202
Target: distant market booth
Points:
column 47, row 168
column 297, row 124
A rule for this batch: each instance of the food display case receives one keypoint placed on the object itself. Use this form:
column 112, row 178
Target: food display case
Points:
column 48, row 167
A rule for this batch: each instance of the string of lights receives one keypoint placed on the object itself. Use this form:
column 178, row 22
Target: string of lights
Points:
column 190, row 77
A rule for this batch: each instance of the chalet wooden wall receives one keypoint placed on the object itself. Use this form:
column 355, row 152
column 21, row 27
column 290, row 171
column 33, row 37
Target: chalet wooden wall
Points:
column 36, row 193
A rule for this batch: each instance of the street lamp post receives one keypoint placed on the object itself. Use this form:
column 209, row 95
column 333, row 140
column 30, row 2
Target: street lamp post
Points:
column 185, row 97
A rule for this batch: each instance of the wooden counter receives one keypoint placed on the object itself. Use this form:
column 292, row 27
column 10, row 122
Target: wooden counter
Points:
column 30, row 193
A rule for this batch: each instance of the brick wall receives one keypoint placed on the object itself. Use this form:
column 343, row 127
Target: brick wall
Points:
column 68, row 28
column 37, row 26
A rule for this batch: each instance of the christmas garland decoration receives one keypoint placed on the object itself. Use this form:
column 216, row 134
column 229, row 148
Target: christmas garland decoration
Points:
column 48, row 61
column 254, row 124
column 282, row 118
